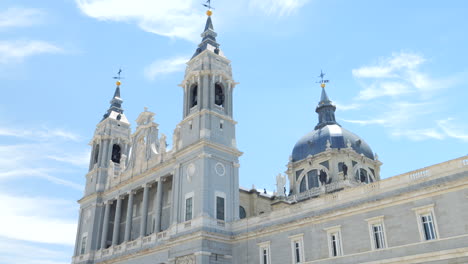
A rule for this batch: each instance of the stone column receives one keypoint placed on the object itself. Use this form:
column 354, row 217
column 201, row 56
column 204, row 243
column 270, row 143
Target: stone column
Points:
column 103, row 152
column 105, row 225
column 128, row 223
column 157, row 207
column 144, row 214
column 115, row 233
column 174, row 216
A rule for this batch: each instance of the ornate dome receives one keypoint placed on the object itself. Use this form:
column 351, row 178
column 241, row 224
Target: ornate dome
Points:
column 316, row 142
column 328, row 131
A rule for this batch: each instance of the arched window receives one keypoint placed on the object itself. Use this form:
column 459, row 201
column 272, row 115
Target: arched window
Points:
column 116, row 153
column 312, row 179
column 219, row 95
column 96, row 154
column 303, row 186
column 242, row 213
column 363, row 177
column 194, row 95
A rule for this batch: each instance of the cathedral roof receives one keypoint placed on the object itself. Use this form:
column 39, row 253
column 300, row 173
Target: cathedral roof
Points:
column 328, row 131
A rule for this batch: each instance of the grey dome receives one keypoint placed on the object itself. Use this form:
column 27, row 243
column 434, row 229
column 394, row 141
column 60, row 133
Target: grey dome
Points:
column 316, row 142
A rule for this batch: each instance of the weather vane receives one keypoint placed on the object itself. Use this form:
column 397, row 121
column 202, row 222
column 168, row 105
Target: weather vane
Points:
column 118, row 77
column 208, row 4
column 322, row 81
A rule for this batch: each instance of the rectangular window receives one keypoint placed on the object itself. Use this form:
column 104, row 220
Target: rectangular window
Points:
column 335, row 244
column 377, row 232
column 83, row 245
column 379, row 241
column 265, row 257
column 335, row 247
column 188, row 209
column 428, row 226
column 297, row 248
column 220, row 208
column 427, row 222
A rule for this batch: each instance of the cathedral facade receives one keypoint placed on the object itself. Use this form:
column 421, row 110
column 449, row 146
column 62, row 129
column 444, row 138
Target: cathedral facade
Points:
column 145, row 203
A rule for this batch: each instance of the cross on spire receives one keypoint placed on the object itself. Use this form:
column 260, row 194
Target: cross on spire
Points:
column 208, row 4
column 118, row 77
column 322, row 81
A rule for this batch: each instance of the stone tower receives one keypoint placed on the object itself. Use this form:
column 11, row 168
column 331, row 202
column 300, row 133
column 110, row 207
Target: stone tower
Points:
column 110, row 146
column 205, row 138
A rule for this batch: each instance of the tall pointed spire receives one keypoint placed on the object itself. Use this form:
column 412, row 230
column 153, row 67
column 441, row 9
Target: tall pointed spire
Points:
column 325, row 109
column 208, row 37
column 116, row 102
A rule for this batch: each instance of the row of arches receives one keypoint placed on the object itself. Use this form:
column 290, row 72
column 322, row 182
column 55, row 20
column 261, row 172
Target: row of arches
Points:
column 319, row 176
column 218, row 99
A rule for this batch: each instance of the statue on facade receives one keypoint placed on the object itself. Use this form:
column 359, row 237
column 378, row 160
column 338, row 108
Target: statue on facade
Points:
column 323, row 177
column 281, row 184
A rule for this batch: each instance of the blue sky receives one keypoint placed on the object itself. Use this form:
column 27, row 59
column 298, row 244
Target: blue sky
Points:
column 397, row 71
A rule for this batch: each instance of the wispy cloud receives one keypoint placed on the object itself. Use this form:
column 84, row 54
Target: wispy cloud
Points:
column 166, row 66
column 37, row 219
column 21, row 17
column 16, row 251
column 17, row 51
column 41, row 134
column 453, row 129
column 40, row 154
column 176, row 18
column 278, row 7
column 406, row 99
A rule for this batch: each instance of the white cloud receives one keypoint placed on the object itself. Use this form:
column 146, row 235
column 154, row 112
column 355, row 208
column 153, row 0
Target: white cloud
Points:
column 167, row 66
column 17, row 51
column 20, row 17
column 175, row 18
column 15, row 251
column 346, row 107
column 419, row 134
column 42, row 134
column 37, row 219
column 41, row 173
column 38, row 154
column 453, row 129
column 278, row 7
column 394, row 76
column 390, row 67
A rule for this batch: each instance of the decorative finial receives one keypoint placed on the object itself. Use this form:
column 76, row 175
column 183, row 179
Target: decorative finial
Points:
column 208, row 5
column 118, row 78
column 322, row 81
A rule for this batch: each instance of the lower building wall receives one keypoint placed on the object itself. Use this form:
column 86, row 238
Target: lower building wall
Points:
column 401, row 231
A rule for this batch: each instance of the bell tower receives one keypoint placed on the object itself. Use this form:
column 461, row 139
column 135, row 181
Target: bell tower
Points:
column 208, row 186
column 110, row 145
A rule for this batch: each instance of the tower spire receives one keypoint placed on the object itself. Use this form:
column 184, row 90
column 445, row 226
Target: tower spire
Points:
column 116, row 102
column 325, row 109
column 209, row 35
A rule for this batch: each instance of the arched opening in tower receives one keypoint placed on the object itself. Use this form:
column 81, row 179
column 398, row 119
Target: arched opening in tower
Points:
column 116, row 153
column 219, row 95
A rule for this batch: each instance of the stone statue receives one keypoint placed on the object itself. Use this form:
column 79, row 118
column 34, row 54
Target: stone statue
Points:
column 345, row 170
column 281, row 184
column 323, row 177
column 110, row 170
column 328, row 144
column 162, row 144
column 175, row 138
column 348, row 144
column 123, row 160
